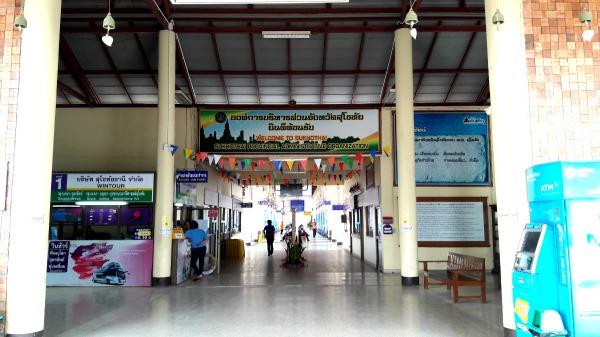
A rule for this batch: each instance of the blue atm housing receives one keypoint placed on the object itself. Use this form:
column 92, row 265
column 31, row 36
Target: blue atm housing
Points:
column 557, row 265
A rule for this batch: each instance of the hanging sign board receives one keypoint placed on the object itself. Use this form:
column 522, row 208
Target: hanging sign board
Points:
column 290, row 131
column 213, row 213
column 337, row 207
column 298, row 205
column 191, row 176
column 246, row 205
column 130, row 187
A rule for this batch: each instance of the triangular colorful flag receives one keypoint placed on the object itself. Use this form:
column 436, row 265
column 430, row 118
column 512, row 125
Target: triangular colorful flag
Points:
column 373, row 154
column 243, row 164
column 277, row 165
column 303, row 164
column 345, row 159
column 341, row 177
column 359, row 158
column 290, row 164
column 211, row 159
column 331, row 160
column 187, row 153
column 261, row 163
column 201, row 156
column 173, row 148
column 217, row 158
column 341, row 166
column 333, row 167
column 350, row 163
column 232, row 162
column 318, row 162
column 387, row 149
column 221, row 163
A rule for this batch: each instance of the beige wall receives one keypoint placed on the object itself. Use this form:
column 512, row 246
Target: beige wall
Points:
column 125, row 139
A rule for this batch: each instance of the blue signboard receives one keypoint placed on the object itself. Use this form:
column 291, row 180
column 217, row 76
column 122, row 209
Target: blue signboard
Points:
column 298, row 205
column 191, row 176
column 451, row 149
column 337, row 207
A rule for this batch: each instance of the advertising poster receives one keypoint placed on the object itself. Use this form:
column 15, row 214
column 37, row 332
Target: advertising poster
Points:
column 451, row 149
column 131, row 187
column 99, row 263
column 312, row 131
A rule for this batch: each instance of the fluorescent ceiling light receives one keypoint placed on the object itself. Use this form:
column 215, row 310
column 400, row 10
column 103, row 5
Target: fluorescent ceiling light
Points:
column 286, row 34
column 101, row 203
column 234, row 2
column 65, row 206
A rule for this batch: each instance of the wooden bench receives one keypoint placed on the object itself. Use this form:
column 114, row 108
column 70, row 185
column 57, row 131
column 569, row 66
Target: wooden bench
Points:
column 461, row 271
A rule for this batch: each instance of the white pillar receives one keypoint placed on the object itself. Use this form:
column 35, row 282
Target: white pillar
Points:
column 391, row 251
column 165, row 166
column 405, row 140
column 29, row 212
column 510, row 134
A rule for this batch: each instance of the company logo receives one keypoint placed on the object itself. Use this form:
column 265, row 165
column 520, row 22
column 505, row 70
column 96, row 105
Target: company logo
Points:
column 220, row 117
column 473, row 120
column 522, row 309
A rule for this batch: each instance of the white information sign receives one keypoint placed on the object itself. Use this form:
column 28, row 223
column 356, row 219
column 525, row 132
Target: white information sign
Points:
column 451, row 221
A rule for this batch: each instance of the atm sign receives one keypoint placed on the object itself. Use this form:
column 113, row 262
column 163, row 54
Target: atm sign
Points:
column 522, row 309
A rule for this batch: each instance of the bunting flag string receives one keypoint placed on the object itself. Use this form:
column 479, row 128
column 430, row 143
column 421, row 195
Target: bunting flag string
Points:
column 277, row 165
column 201, row 156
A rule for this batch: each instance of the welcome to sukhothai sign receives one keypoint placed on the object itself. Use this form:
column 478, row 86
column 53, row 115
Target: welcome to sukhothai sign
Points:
column 290, row 131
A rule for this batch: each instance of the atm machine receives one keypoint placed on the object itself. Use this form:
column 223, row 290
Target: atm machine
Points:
column 556, row 274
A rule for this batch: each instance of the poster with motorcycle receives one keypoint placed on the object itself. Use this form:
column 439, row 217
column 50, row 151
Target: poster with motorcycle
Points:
column 99, row 263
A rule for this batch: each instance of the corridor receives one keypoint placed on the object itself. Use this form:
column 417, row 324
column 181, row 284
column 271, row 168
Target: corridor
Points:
column 334, row 295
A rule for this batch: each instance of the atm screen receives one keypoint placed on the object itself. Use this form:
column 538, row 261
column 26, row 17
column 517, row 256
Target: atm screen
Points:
column 530, row 241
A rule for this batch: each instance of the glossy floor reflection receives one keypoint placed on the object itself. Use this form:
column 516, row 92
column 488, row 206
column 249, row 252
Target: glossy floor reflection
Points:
column 335, row 295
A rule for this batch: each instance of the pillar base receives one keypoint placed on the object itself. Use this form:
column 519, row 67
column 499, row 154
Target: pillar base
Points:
column 410, row 281
column 31, row 334
column 161, row 281
column 509, row 332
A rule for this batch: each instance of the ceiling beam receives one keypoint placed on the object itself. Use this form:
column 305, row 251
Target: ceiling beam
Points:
column 111, row 62
column 293, row 73
column 258, row 29
column 253, row 55
column 158, row 14
column 427, row 59
column 283, row 106
column 279, row 10
column 323, row 65
column 388, row 74
column 461, row 65
column 285, row 19
column 289, row 66
column 484, row 93
column 358, row 62
column 71, row 92
column 62, row 93
column 215, row 48
column 75, row 70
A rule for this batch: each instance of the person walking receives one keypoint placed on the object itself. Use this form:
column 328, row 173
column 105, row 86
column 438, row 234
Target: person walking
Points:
column 197, row 238
column 314, row 228
column 281, row 228
column 269, row 233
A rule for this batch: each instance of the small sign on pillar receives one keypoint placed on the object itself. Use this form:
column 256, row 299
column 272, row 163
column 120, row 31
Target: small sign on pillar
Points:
column 387, row 225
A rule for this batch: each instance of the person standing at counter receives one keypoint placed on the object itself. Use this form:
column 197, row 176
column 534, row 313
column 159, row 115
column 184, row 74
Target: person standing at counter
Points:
column 197, row 238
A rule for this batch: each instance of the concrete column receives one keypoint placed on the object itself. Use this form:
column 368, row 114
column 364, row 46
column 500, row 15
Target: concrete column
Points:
column 29, row 212
column 510, row 134
column 385, row 164
column 165, row 166
column 405, row 140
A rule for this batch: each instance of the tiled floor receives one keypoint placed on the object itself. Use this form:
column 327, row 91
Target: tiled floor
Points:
column 335, row 295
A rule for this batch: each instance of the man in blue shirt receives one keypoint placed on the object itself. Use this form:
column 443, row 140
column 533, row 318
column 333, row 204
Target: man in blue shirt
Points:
column 197, row 237
column 269, row 233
